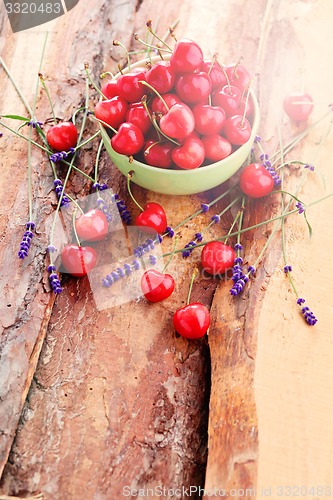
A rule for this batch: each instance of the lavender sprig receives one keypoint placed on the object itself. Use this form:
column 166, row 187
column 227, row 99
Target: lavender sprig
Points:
column 59, row 189
column 61, row 155
column 54, row 279
column 123, row 272
column 26, row 240
column 308, row 315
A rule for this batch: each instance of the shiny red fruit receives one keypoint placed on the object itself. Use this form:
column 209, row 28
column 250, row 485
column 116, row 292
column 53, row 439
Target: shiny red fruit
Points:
column 138, row 115
column 110, row 89
column 217, row 258
column 178, row 122
column 161, row 77
column 216, row 147
column 92, row 226
column 130, row 87
column 113, row 111
column 256, row 181
column 62, row 136
column 158, row 154
column 78, row 261
column 158, row 106
column 237, row 130
column 228, row 98
column 128, row 140
column 193, row 87
column 216, row 74
column 186, row 57
column 298, row 106
column 208, row 119
column 153, row 218
column 157, row 286
column 192, row 321
column 190, row 154
column 238, row 76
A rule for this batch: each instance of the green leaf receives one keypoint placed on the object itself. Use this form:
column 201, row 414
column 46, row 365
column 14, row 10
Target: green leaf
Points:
column 16, row 117
column 308, row 224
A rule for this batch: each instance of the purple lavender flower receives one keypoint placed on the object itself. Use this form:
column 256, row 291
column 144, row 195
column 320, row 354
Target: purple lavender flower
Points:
column 268, row 166
column 59, row 189
column 204, row 207
column 189, row 249
column 103, row 207
column 310, row 167
column 35, row 124
column 251, row 269
column 238, row 277
column 238, row 247
column 287, row 269
column 26, row 240
column 257, row 139
column 216, row 218
column 299, row 205
column 61, row 155
column 54, row 280
column 169, row 232
column 198, row 237
column 123, row 272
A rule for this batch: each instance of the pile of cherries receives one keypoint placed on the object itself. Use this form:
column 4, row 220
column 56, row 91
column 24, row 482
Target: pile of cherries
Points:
column 178, row 113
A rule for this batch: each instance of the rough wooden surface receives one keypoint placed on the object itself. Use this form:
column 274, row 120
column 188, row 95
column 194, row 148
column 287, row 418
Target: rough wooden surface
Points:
column 116, row 398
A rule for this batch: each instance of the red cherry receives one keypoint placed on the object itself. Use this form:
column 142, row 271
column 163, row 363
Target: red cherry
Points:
column 216, row 74
column 208, row 119
column 178, row 122
column 157, row 286
column 128, row 140
column 238, row 76
column 152, row 217
column 158, row 154
column 217, row 258
column 129, row 87
column 158, row 106
column 192, row 321
column 216, row 147
column 237, row 130
column 110, row 89
column 113, row 111
column 228, row 98
column 190, row 154
column 78, row 261
column 256, row 181
column 62, row 136
column 92, row 226
column 193, row 87
column 298, row 112
column 161, row 77
column 187, row 56
column 138, row 115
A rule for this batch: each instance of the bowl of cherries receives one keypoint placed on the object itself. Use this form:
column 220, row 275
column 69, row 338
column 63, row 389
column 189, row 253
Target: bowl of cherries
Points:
column 181, row 124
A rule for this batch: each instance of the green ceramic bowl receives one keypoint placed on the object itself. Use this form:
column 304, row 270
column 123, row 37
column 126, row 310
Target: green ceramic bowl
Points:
column 182, row 182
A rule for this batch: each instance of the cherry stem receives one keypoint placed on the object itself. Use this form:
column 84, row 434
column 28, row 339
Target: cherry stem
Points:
column 152, row 47
column 150, row 29
column 194, row 275
column 106, row 125
column 171, row 256
column 143, row 82
column 42, row 81
column 97, row 161
column 146, row 151
column 159, row 131
column 117, row 43
column 236, row 66
column 92, row 83
column 106, row 73
column 129, row 177
column 144, row 104
column 246, row 103
column 225, row 74
column 74, row 228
